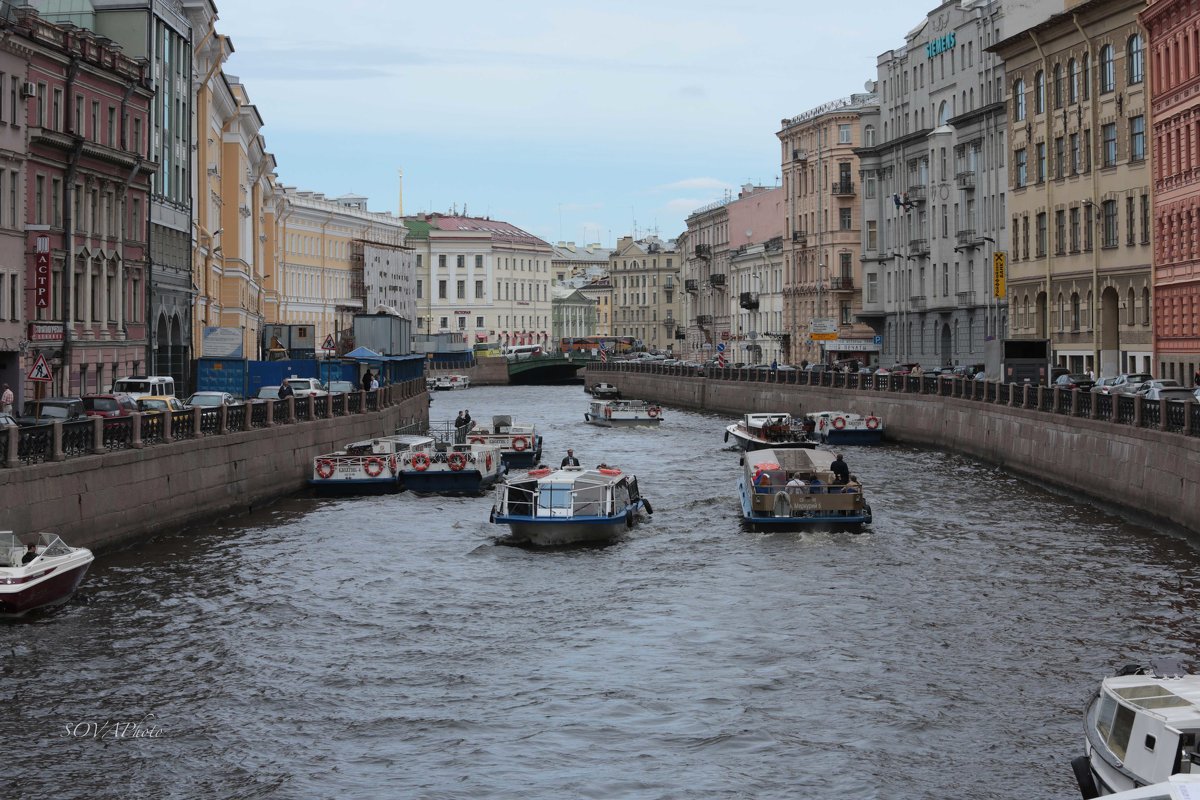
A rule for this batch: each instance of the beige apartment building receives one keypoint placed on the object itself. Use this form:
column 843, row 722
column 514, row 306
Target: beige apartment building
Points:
column 600, row 292
column 1079, row 271
column 645, row 291
column 823, row 234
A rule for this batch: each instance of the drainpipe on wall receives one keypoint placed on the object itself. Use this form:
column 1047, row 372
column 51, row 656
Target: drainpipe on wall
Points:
column 1049, row 181
column 1094, row 98
column 69, row 228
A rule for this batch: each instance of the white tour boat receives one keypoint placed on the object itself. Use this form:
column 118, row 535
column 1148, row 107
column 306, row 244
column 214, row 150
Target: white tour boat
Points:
column 793, row 489
column 623, row 413
column 777, row 430
column 519, row 442
column 604, row 391
column 1141, row 727
column 843, row 427
column 571, row 505
column 434, row 467
column 49, row 578
column 446, row 383
column 370, row 465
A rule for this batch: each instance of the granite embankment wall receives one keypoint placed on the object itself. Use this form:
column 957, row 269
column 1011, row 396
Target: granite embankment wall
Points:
column 1153, row 472
column 113, row 498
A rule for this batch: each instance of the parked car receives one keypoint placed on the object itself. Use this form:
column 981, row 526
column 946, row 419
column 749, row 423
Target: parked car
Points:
column 211, row 399
column 1083, row 382
column 1128, row 382
column 51, row 409
column 338, row 387
column 1177, row 393
column 7, row 419
column 109, row 405
column 1160, row 383
column 268, row 393
column 1105, row 385
column 140, row 386
column 303, row 387
column 160, row 403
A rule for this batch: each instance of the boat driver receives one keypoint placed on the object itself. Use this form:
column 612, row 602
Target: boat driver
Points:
column 30, row 554
column 570, row 460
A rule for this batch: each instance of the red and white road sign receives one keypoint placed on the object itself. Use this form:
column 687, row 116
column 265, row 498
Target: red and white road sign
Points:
column 40, row 371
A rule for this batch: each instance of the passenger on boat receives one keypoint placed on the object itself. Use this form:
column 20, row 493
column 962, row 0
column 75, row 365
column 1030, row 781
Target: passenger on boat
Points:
column 30, row 554
column 570, row 460
column 853, row 487
column 797, row 484
column 841, row 472
column 816, row 486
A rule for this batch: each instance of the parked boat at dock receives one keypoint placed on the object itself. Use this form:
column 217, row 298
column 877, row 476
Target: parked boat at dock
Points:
column 50, row 578
column 843, row 427
column 623, row 413
column 447, row 383
column 361, row 467
column 777, row 430
column 572, row 505
column 433, row 467
column 793, row 489
column 519, row 442
column 1141, row 727
column 604, row 391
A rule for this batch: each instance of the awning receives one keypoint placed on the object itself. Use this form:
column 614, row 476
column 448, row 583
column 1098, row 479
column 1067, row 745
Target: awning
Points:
column 364, row 354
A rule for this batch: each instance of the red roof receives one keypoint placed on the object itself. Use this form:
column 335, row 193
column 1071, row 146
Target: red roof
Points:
column 498, row 229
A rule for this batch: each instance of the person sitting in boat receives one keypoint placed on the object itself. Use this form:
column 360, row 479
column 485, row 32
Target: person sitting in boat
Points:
column 841, row 472
column 816, row 485
column 570, row 460
column 797, row 484
column 852, row 487
column 30, row 554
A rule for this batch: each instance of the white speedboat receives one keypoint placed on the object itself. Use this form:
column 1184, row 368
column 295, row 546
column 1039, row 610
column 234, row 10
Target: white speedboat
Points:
column 793, row 489
column 623, row 413
column 366, row 466
column 844, row 427
column 572, row 505
column 777, row 430
column 50, row 578
column 433, row 467
column 446, row 383
column 1141, row 727
column 519, row 442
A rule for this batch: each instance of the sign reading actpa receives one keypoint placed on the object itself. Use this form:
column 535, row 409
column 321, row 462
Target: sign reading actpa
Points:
column 41, row 271
column 40, row 371
column 1000, row 273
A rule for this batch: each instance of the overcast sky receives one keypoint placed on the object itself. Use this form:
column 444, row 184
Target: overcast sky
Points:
column 571, row 120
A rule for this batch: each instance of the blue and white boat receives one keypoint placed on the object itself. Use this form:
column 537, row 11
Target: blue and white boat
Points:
column 843, row 427
column 568, row 506
column 361, row 467
column 793, row 489
column 519, row 442
column 433, row 467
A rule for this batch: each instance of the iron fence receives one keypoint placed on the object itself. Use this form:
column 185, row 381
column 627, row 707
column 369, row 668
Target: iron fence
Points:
column 78, row 437
column 118, row 433
column 258, row 415
column 35, row 444
column 210, row 421
column 235, row 417
column 183, row 424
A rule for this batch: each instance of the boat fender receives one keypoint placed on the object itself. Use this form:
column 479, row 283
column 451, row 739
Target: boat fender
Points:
column 727, row 436
column 492, row 516
column 608, row 412
column 783, row 505
column 420, row 461
column 872, row 423
column 629, row 518
column 392, row 464
column 646, row 505
column 1083, row 777
column 489, row 461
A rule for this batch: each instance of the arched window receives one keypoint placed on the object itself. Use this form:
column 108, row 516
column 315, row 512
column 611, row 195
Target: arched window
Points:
column 942, row 114
column 1058, row 86
column 1145, row 306
column 1074, row 311
column 1018, row 99
column 1131, row 307
column 1072, row 82
column 1108, row 78
column 1085, row 76
column 1039, row 93
column 1135, row 55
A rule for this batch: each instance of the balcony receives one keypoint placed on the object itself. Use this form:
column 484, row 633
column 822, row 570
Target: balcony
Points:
column 704, row 319
column 716, row 279
column 669, row 324
column 917, row 302
column 704, row 251
column 841, row 283
column 748, row 301
column 965, row 179
column 799, row 155
column 800, row 237
column 918, row 247
column 691, row 285
column 843, row 189
column 917, row 193
column 966, row 299
column 966, row 237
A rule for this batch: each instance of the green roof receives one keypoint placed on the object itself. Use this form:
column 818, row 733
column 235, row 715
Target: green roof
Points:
column 417, row 229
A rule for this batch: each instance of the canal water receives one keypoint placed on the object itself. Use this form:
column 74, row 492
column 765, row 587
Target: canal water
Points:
column 388, row 647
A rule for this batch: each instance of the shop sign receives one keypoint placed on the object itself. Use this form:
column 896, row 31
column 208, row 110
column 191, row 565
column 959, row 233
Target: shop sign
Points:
column 41, row 272
column 45, row 331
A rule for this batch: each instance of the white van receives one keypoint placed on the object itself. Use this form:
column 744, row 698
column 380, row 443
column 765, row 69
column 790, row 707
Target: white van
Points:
column 137, row 386
column 521, row 352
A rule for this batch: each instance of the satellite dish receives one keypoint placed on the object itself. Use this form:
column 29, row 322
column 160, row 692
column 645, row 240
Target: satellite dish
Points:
column 869, row 85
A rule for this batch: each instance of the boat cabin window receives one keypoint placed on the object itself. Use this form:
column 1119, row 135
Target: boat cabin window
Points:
column 555, row 499
column 1150, row 740
column 1114, row 723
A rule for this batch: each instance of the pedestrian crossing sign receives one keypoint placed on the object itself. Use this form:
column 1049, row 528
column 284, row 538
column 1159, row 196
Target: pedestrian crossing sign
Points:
column 40, row 371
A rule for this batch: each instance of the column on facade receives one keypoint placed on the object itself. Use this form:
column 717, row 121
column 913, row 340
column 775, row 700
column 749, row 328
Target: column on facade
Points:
column 89, row 235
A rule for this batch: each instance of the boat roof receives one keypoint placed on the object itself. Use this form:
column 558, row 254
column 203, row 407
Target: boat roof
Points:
column 846, row 414
column 763, row 418
column 1177, row 787
column 410, row 439
column 1175, row 700
column 791, row 459
column 574, row 475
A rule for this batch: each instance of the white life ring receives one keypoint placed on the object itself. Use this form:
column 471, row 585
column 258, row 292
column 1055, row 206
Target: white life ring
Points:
column 839, row 422
column 653, row 411
column 872, row 423
column 324, row 468
column 519, row 443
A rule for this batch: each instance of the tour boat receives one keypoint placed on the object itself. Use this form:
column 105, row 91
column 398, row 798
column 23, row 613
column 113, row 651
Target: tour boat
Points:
column 1141, row 727
column 49, row 579
column 623, row 413
column 370, row 465
column 571, row 505
column 445, row 383
column 520, row 444
column 769, row 502
column 604, row 391
column 843, row 427
column 433, row 467
column 777, row 430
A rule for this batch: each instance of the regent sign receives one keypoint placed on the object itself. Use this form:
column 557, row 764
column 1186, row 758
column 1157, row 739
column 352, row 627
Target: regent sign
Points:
column 940, row 45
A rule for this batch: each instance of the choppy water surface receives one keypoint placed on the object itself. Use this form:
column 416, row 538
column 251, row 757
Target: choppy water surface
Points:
column 387, row 647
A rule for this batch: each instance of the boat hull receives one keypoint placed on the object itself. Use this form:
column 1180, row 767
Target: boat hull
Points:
column 355, row 485
column 614, row 422
column 809, row 518
column 55, row 588
column 466, row 481
column 543, row 532
column 748, row 443
column 848, row 436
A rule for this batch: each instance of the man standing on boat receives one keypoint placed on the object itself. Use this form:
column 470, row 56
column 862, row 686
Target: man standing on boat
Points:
column 570, row 460
column 841, row 472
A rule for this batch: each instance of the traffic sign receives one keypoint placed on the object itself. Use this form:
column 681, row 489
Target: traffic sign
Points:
column 328, row 345
column 720, row 347
column 877, row 340
column 40, row 371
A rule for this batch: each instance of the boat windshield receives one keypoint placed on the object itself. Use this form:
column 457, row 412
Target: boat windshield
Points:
column 555, row 499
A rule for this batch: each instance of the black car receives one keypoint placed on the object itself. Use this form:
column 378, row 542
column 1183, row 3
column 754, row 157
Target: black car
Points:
column 52, row 409
column 1083, row 382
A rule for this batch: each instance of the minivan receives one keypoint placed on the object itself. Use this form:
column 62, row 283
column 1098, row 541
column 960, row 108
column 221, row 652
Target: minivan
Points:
column 138, row 386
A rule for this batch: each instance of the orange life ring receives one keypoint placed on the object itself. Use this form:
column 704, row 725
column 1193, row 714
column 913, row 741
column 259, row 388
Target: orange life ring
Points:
column 392, row 464
column 839, row 422
column 539, row 473
column 872, row 422
column 373, row 466
column 608, row 411
column 519, row 443
column 456, row 461
column 653, row 411
column 478, row 440
column 609, row 471
column 420, row 462
column 324, row 468
column 489, row 461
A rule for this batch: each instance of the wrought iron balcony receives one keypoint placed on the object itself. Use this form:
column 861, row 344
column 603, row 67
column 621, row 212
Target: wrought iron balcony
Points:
column 801, row 237
column 841, row 283
column 716, row 279
column 918, row 247
column 748, row 301
column 966, row 299
column 691, row 285
column 843, row 189
column 703, row 251
column 965, row 179
column 917, row 302
column 916, row 193
column 966, row 237
column 704, row 319
column 799, row 155
column 669, row 324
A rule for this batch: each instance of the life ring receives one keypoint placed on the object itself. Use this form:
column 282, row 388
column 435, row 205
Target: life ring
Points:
column 872, row 422
column 373, row 466
column 653, row 411
column 822, row 423
column 489, row 461
column 457, row 461
column 839, row 422
column 519, row 443
column 609, row 471
column 420, row 461
column 324, row 468
column 478, row 440
column 608, row 412
column 539, row 473
column 392, row 464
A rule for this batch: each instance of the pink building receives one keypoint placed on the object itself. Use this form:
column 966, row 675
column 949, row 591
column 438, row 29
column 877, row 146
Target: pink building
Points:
column 86, row 182
column 1174, row 46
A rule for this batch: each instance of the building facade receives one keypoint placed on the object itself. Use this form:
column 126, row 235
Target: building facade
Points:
column 599, row 292
column 389, row 277
column 704, row 250
column 578, row 265
column 1173, row 31
column 15, row 293
column 755, row 297
column 645, row 291
column 572, row 314
column 87, row 190
column 1079, row 178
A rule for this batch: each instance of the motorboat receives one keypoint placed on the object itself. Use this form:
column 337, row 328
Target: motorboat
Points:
column 434, row 467
column 794, row 489
column 1177, row 787
column 623, row 413
column 446, row 383
column 370, row 465
column 843, row 427
column 567, row 506
column 50, row 578
column 519, row 442
column 604, row 391
column 777, row 430
column 1141, row 727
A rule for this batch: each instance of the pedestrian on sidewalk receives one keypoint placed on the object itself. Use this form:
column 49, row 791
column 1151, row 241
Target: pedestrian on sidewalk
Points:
column 6, row 400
